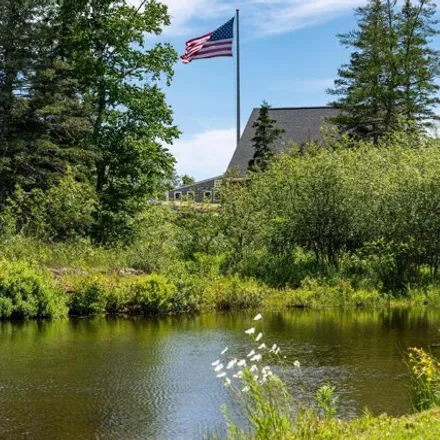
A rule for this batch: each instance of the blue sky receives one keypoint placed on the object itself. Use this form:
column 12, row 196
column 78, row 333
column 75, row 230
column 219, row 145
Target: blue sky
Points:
column 289, row 56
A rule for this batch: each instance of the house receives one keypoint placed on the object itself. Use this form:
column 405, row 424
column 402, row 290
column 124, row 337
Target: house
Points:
column 204, row 190
column 301, row 125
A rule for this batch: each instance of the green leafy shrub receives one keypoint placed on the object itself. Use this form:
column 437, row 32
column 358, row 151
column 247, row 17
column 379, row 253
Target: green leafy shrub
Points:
column 26, row 292
column 64, row 211
column 233, row 293
column 154, row 247
column 89, row 296
column 152, row 295
column 317, row 295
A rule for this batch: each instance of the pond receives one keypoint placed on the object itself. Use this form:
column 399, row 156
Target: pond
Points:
column 152, row 378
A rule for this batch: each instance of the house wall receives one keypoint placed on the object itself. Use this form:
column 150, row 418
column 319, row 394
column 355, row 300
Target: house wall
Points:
column 200, row 191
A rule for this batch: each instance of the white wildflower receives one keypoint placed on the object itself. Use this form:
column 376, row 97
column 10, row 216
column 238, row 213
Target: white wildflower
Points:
column 274, row 347
column 254, row 368
column 256, row 358
column 224, row 351
column 218, row 368
column 245, row 389
column 242, row 363
column 214, row 364
column 258, row 317
column 231, row 364
column 277, row 350
column 262, row 346
column 221, row 374
column 227, row 382
column 259, row 336
column 251, row 353
column 250, row 331
column 296, row 364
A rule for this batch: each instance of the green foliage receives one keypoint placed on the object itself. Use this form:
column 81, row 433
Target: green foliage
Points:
column 233, row 293
column 317, row 295
column 266, row 408
column 152, row 295
column 65, row 211
column 80, row 89
column 392, row 70
column 327, row 401
column 425, row 378
column 89, row 296
column 28, row 293
column 200, row 232
column 265, row 135
column 366, row 213
column 156, row 239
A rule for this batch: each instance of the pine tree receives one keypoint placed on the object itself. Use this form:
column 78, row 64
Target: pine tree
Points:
column 419, row 62
column 44, row 120
column 266, row 133
column 391, row 72
column 366, row 84
column 58, row 120
column 17, row 32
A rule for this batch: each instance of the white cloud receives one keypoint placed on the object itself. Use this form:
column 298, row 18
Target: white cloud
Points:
column 281, row 16
column 183, row 12
column 262, row 17
column 205, row 154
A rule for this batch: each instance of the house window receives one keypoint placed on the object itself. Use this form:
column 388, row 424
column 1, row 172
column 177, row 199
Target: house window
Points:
column 190, row 196
column 216, row 196
column 207, row 195
column 178, row 196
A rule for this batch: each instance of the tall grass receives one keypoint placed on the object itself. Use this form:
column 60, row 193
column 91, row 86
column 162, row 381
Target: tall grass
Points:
column 425, row 379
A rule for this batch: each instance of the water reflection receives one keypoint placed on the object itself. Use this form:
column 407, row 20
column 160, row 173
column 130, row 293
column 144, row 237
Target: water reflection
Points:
column 122, row 378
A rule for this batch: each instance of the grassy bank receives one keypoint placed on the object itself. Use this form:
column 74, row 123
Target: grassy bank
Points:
column 425, row 425
column 28, row 290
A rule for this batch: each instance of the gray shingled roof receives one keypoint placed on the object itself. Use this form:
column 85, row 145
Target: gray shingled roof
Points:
column 301, row 124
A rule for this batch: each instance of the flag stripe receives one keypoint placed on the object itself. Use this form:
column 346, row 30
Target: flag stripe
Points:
column 212, row 56
column 223, row 49
column 214, row 44
column 198, row 38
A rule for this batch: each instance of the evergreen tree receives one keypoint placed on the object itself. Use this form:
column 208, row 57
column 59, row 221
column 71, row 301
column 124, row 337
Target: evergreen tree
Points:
column 17, row 32
column 81, row 87
column 266, row 133
column 419, row 63
column 391, row 72
column 58, row 120
column 44, row 122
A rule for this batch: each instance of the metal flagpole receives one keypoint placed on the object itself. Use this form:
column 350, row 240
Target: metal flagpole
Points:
column 238, row 74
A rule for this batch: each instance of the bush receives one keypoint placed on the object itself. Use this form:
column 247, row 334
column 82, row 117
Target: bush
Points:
column 233, row 293
column 28, row 293
column 64, row 211
column 317, row 295
column 152, row 295
column 154, row 247
column 89, row 296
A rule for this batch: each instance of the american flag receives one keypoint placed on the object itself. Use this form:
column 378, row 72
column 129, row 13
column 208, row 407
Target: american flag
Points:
column 214, row 44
